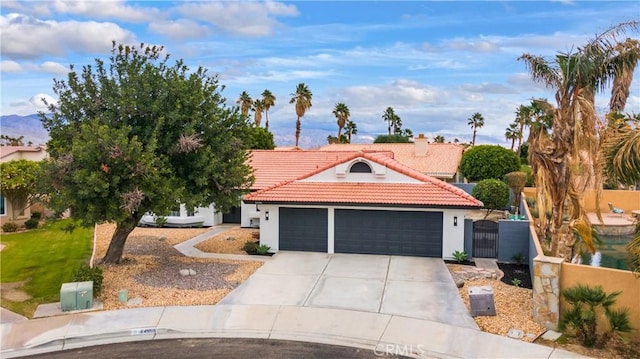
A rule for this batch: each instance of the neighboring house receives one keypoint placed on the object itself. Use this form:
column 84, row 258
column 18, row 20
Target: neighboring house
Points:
column 365, row 202
column 439, row 160
column 15, row 153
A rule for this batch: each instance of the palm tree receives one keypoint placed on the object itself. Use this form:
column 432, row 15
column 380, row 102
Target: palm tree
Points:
column 476, row 121
column 351, row 129
column 268, row 100
column 561, row 157
column 302, row 99
column 341, row 111
column 245, row 101
column 391, row 118
column 512, row 133
column 627, row 53
column 523, row 118
column 258, row 108
column 438, row 139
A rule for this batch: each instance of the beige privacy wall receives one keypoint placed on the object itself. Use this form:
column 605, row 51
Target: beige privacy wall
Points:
column 623, row 199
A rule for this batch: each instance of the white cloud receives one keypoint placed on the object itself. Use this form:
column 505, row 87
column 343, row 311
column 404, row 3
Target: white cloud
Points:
column 104, row 9
column 473, row 46
column 27, row 106
column 179, row 29
column 485, row 87
column 240, row 18
column 53, row 67
column 27, row 37
column 10, row 66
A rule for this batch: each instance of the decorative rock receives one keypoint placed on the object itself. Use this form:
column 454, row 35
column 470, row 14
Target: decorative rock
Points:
column 162, row 238
column 192, row 272
column 231, row 238
column 515, row 333
column 184, row 272
column 135, row 301
column 459, row 283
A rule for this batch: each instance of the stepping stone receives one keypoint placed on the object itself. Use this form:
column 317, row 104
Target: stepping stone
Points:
column 551, row 335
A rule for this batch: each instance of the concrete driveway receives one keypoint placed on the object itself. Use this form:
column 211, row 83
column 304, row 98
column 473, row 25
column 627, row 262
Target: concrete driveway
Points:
column 412, row 287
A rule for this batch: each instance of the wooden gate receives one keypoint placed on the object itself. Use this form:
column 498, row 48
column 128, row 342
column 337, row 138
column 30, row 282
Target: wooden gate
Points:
column 485, row 239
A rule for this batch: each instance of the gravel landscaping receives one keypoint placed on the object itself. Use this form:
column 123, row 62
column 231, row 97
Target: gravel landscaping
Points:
column 151, row 270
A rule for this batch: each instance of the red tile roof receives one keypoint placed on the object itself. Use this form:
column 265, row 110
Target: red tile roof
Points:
column 441, row 159
column 271, row 167
column 6, row 151
column 430, row 192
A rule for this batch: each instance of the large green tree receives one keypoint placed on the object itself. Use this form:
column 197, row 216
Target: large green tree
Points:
column 561, row 159
column 302, row 100
column 493, row 193
column 138, row 135
column 488, row 162
column 18, row 184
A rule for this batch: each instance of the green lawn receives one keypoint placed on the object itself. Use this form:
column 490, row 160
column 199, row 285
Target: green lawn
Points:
column 43, row 258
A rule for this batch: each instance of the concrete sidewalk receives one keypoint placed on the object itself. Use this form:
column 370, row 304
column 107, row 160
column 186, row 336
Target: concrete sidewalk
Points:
column 372, row 331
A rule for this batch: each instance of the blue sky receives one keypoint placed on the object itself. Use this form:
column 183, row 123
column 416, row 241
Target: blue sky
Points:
column 435, row 63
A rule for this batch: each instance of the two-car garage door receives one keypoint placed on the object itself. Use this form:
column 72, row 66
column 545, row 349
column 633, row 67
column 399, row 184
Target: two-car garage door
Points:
column 410, row 233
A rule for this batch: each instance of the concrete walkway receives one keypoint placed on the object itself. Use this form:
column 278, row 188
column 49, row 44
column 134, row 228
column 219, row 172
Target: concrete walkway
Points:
column 391, row 332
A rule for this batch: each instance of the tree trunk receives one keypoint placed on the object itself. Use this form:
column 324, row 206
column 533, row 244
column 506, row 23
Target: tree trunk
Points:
column 266, row 119
column 116, row 247
column 473, row 141
column 298, row 125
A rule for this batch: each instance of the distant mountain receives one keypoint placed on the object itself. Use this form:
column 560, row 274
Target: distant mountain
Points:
column 28, row 126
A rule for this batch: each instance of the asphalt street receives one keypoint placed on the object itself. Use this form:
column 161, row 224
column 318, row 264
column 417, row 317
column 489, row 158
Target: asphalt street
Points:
column 219, row 348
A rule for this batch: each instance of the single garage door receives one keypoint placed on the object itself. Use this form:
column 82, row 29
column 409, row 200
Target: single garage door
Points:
column 408, row 233
column 303, row 229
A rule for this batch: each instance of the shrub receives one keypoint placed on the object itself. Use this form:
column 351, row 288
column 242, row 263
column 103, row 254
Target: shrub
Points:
column 527, row 169
column 516, row 282
column 262, row 249
column 459, row 256
column 36, row 215
column 86, row 273
column 488, row 162
column 250, row 247
column 493, row 193
column 9, row 227
column 586, row 304
column 161, row 221
column 519, row 258
column 31, row 223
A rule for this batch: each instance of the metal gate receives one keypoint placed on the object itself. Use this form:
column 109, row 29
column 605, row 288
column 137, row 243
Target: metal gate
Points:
column 485, row 239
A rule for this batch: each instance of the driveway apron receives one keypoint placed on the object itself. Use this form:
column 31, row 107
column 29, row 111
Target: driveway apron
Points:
column 413, row 287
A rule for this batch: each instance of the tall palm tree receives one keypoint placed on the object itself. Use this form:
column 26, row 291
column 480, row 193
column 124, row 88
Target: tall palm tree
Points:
column 476, row 121
column 391, row 118
column 560, row 158
column 268, row 100
column 512, row 133
column 245, row 101
column 438, row 139
column 258, row 108
column 523, row 119
column 302, row 99
column 351, row 129
column 627, row 53
column 341, row 111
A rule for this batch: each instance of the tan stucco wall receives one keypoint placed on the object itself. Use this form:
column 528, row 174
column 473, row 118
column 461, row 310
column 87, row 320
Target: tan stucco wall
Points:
column 623, row 199
column 611, row 280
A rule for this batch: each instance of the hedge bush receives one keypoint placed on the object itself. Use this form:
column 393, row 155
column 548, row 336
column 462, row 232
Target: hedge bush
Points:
column 488, row 162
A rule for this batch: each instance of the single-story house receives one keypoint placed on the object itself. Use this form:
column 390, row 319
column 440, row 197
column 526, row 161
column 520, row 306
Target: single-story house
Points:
column 15, row 153
column 364, row 202
column 439, row 160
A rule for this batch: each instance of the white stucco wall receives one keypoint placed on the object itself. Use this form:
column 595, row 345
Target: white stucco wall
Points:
column 248, row 213
column 453, row 235
column 380, row 173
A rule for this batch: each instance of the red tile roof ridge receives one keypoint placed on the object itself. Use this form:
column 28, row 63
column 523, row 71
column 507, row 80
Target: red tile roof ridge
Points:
column 387, row 162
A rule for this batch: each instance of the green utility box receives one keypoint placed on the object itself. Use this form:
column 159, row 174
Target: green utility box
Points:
column 77, row 295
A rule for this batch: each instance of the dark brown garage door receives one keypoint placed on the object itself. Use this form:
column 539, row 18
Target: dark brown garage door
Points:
column 303, row 229
column 409, row 233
